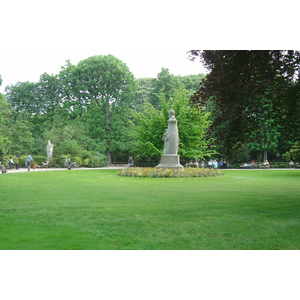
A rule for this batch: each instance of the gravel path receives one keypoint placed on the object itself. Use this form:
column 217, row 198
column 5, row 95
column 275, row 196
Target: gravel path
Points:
column 61, row 169
column 113, row 168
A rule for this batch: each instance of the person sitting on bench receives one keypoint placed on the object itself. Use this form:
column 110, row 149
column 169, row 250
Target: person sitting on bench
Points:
column 3, row 170
column 45, row 164
column 12, row 163
column 69, row 164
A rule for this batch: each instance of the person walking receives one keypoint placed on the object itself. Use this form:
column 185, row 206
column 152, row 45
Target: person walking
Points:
column 130, row 162
column 28, row 161
column 292, row 164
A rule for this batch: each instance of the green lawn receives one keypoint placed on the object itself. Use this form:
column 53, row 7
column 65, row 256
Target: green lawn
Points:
column 96, row 209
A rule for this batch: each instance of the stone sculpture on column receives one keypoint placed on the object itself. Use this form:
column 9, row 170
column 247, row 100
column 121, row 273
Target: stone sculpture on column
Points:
column 49, row 150
column 170, row 158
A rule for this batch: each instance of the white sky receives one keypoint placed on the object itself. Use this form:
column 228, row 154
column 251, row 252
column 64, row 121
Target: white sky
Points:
column 39, row 36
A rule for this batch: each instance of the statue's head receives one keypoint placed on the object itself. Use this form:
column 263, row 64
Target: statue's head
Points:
column 171, row 113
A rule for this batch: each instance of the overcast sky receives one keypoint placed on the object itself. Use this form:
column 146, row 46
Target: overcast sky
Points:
column 39, row 36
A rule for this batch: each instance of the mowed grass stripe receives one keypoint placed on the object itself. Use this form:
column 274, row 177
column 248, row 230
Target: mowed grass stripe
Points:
column 96, row 209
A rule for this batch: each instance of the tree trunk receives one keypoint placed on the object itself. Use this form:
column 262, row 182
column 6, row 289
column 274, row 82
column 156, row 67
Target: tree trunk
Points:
column 265, row 155
column 108, row 157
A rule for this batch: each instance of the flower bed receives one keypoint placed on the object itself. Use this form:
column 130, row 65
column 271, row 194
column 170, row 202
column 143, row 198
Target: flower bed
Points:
column 163, row 173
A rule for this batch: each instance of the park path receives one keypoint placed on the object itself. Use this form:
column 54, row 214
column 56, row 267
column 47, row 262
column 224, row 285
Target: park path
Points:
column 62, row 169
column 115, row 168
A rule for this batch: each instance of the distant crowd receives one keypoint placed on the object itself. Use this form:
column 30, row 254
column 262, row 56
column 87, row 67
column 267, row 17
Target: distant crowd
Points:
column 212, row 164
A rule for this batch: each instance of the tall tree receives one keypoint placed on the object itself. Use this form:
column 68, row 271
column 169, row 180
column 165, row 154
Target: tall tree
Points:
column 191, row 82
column 165, row 82
column 148, row 88
column 149, row 125
column 103, row 83
column 263, row 129
column 49, row 95
column 23, row 97
column 5, row 115
column 144, row 92
column 236, row 82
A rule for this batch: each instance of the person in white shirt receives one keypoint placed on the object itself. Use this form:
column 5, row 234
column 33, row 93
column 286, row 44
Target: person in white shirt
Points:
column 12, row 163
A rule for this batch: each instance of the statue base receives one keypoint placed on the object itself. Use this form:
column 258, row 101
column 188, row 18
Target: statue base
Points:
column 169, row 161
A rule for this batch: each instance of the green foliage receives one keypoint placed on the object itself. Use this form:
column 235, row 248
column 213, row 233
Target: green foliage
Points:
column 24, row 97
column 293, row 153
column 4, row 145
column 255, row 94
column 97, row 160
column 252, row 97
column 91, row 160
column 38, row 159
column 239, row 153
column 71, row 148
column 149, row 125
column 143, row 93
column 21, row 135
column 48, row 90
column 193, row 123
column 165, row 82
column 147, row 130
column 82, row 159
column 100, row 89
column 86, row 107
column 191, row 83
column 263, row 129
column 5, row 115
column 149, row 88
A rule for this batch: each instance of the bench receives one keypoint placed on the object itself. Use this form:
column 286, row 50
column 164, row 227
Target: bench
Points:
column 70, row 166
column 11, row 166
column 246, row 166
column 121, row 164
column 262, row 165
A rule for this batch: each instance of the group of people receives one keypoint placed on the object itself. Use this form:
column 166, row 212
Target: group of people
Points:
column 69, row 164
column 11, row 164
column 212, row 164
column 28, row 164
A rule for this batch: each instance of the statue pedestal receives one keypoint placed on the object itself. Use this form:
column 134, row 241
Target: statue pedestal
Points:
column 169, row 161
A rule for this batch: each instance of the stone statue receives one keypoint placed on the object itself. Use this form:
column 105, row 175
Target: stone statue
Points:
column 171, row 137
column 170, row 158
column 49, row 150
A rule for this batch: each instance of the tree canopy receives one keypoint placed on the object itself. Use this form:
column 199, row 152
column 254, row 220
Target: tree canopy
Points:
column 149, row 125
column 90, row 107
column 101, row 88
column 253, row 92
column 96, row 111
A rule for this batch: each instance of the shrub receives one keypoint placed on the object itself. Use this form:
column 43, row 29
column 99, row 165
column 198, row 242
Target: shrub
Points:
column 5, row 160
column 39, row 159
column 71, row 147
column 98, row 160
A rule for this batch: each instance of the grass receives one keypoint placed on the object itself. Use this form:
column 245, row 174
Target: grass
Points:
column 96, row 209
